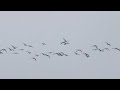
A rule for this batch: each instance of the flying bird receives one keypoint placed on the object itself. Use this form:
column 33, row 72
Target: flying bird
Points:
column 34, row 59
column 95, row 46
column 87, row 55
column 79, row 50
column 43, row 43
column 14, row 47
column 108, row 44
column 76, row 53
column 46, row 55
column 4, row 50
column 11, row 49
column 24, row 44
column 36, row 55
column 65, row 42
column 59, row 54
column 116, row 49
column 28, row 52
column 1, row 52
column 51, row 52
column 21, row 49
column 100, row 50
column 63, row 54
column 30, row 46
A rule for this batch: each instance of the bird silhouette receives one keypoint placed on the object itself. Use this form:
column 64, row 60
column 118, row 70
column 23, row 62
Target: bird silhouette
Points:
column 101, row 50
column 65, row 42
column 34, row 58
column 116, row 49
column 21, row 49
column 108, row 44
column 1, row 52
column 63, row 54
column 76, row 53
column 59, row 54
column 14, row 47
column 51, row 52
column 87, row 55
column 43, row 43
column 79, row 50
column 11, row 49
column 95, row 46
column 46, row 55
column 24, row 44
column 4, row 50
column 36, row 55
column 30, row 46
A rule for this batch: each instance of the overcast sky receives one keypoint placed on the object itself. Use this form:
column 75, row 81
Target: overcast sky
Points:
column 82, row 29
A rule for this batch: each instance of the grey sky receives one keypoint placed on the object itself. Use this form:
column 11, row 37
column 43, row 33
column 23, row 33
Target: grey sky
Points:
column 81, row 28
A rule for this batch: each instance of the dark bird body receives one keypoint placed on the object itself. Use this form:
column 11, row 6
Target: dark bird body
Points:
column 65, row 42
column 21, row 49
column 116, row 49
column 14, row 47
column 30, row 46
column 11, row 49
column 79, row 50
column 34, row 59
column 24, row 44
column 4, row 50
column 100, row 50
column 87, row 55
column 45, row 55
column 36, row 55
column 1, row 52
column 43, row 43
column 95, row 46
column 108, row 44
column 76, row 53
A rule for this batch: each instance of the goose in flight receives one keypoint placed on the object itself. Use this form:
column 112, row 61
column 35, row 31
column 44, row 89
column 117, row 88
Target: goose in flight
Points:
column 106, row 49
column 21, row 49
column 43, row 43
column 76, row 53
column 30, row 46
column 108, row 44
column 11, row 49
column 65, row 42
column 14, row 47
column 4, row 50
column 100, row 50
column 79, row 50
column 63, row 54
column 24, row 44
column 34, row 58
column 95, row 46
column 116, row 49
column 51, row 52
column 1, row 52
column 46, row 55
column 87, row 55
column 59, row 54
column 36, row 55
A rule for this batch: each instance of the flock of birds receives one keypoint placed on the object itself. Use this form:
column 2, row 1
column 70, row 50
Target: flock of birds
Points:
column 64, row 42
